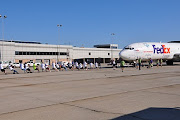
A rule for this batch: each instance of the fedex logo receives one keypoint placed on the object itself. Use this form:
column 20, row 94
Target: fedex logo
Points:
column 161, row 50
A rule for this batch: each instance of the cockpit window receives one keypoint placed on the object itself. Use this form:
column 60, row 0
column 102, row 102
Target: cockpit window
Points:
column 128, row 48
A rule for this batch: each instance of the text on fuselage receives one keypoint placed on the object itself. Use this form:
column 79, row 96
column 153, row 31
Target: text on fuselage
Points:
column 160, row 50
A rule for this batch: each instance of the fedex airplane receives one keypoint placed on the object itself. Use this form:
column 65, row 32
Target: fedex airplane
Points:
column 167, row 51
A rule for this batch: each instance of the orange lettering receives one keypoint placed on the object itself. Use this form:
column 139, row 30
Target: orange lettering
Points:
column 168, row 50
column 165, row 50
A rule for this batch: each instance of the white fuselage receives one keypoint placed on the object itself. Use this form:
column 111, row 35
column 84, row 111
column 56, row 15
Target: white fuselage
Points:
column 147, row 50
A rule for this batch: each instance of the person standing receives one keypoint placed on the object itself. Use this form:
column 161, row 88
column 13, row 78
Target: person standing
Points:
column 157, row 63
column 91, row 65
column 151, row 63
column 76, row 65
column 26, row 67
column 85, row 65
column 122, row 65
column 99, row 64
column 64, row 66
column 80, row 66
column 47, row 67
column 96, row 65
column 22, row 67
column 70, row 65
column 54, row 67
column 2, row 69
column 139, row 62
column 12, row 69
column 42, row 66
column 35, row 68
column 161, row 61
column 114, row 64
column 58, row 66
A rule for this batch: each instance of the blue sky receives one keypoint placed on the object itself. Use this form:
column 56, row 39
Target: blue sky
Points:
column 89, row 22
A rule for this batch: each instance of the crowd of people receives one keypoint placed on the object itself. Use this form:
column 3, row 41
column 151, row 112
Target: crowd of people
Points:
column 138, row 63
column 44, row 67
column 60, row 66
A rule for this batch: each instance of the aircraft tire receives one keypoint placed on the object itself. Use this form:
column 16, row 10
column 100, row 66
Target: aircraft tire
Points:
column 169, row 62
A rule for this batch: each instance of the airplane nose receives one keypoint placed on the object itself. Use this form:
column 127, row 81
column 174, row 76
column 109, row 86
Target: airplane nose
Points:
column 123, row 55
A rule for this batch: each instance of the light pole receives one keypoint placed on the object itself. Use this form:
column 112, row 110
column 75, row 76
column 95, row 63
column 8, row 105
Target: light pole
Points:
column 58, row 47
column 2, row 17
column 111, row 45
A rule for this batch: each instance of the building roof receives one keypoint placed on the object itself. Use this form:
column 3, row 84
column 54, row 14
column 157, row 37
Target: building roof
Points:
column 27, row 42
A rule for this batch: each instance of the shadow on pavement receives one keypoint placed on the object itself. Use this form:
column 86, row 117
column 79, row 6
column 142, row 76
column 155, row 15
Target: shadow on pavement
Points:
column 153, row 114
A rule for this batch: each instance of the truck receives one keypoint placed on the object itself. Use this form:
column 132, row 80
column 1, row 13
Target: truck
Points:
column 30, row 63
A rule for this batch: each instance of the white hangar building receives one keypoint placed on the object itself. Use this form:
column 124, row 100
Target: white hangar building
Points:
column 19, row 51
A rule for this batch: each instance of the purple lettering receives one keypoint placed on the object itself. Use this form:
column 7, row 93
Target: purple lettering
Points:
column 154, row 48
column 158, row 50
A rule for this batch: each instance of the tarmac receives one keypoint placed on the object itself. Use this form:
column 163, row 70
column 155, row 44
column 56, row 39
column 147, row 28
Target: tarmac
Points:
column 96, row 94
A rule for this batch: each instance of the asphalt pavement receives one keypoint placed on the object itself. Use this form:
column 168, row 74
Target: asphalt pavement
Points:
column 95, row 94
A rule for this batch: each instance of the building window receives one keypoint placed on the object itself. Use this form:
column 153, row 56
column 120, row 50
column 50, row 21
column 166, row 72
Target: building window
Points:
column 89, row 53
column 24, row 53
column 32, row 53
column 113, row 47
column 40, row 53
column 20, row 53
column 63, row 53
column 108, row 53
column 16, row 53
